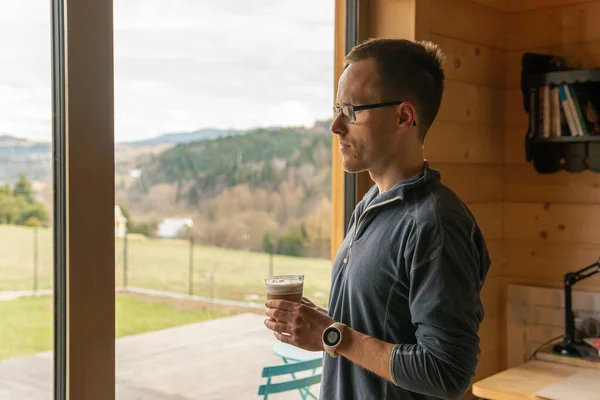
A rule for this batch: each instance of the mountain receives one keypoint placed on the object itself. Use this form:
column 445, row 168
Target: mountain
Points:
column 176, row 138
column 6, row 139
column 18, row 155
column 261, row 158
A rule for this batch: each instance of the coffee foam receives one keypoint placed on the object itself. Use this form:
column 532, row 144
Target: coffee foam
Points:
column 284, row 286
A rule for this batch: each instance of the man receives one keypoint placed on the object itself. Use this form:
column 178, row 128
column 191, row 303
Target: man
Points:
column 404, row 308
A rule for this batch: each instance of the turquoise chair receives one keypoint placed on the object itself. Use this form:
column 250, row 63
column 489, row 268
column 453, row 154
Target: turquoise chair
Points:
column 301, row 384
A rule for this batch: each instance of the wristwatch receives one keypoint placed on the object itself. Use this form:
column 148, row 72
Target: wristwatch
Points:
column 332, row 337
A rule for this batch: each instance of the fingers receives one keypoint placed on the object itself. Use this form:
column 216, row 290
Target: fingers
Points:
column 276, row 326
column 284, row 338
column 278, row 315
column 308, row 303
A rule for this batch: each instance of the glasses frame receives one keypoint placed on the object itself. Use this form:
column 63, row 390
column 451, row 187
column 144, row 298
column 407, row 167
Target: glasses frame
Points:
column 349, row 110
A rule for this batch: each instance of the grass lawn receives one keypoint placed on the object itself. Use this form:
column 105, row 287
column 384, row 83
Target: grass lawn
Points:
column 164, row 265
column 26, row 323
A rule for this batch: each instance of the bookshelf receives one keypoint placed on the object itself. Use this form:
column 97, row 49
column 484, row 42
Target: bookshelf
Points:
column 563, row 106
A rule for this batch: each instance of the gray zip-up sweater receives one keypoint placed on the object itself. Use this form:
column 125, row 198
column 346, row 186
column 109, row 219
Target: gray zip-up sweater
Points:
column 410, row 272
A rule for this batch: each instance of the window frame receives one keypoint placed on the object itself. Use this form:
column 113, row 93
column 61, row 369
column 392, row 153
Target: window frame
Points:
column 83, row 171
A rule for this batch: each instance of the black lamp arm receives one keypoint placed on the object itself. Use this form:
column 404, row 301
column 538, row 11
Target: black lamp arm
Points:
column 571, row 278
column 567, row 347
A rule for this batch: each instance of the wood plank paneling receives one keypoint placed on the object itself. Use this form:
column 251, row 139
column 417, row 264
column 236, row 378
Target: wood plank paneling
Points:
column 472, row 63
column 382, row 18
column 489, row 218
column 490, row 110
column 514, row 146
column 515, row 115
column 490, row 332
column 469, row 21
column 491, row 295
column 495, row 249
column 536, row 223
column 522, row 5
column 544, row 27
column 523, row 184
column 498, row 4
column 456, row 142
column 473, row 183
column 548, row 262
column 460, row 103
column 470, row 103
column 490, row 362
column 513, row 68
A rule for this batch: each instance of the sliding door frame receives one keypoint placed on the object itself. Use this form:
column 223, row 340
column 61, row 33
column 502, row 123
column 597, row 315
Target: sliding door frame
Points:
column 83, row 169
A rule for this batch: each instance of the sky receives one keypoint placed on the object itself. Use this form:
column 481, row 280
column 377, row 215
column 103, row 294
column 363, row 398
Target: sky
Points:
column 182, row 65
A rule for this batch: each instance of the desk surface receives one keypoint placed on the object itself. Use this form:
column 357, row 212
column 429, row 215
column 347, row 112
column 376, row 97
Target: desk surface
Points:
column 520, row 383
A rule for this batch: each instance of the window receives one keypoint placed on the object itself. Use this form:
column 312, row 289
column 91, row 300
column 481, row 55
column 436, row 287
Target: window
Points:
column 222, row 177
column 26, row 202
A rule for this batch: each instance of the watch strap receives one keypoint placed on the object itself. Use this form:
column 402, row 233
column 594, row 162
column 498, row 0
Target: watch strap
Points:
column 329, row 348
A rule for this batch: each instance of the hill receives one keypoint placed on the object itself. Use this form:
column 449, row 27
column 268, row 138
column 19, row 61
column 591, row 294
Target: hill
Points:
column 176, row 138
column 268, row 187
column 261, row 158
column 259, row 189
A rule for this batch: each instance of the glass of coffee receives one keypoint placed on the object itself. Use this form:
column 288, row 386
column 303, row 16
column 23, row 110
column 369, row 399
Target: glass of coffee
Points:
column 285, row 287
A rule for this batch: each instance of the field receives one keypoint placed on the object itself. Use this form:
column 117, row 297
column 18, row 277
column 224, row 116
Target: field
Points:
column 26, row 323
column 164, row 265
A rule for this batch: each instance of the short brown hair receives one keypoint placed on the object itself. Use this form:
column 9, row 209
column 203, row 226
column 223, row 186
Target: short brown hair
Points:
column 409, row 70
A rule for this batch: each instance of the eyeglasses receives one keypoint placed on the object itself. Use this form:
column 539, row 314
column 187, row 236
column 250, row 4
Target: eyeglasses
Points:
column 349, row 110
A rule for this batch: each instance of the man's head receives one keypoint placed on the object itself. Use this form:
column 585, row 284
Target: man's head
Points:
column 387, row 71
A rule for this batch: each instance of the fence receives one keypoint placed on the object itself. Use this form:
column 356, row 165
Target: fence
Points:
column 178, row 266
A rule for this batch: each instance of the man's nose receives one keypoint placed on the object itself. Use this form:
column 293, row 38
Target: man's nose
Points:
column 338, row 127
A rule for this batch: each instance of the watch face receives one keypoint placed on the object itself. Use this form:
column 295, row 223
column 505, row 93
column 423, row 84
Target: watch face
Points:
column 332, row 336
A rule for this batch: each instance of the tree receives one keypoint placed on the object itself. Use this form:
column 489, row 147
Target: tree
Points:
column 291, row 244
column 33, row 222
column 5, row 190
column 23, row 189
column 29, row 211
column 9, row 209
column 268, row 174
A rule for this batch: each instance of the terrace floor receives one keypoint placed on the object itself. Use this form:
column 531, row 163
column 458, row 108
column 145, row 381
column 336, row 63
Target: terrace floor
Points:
column 217, row 359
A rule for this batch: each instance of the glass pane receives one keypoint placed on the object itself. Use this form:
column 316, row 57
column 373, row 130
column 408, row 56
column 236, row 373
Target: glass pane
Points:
column 26, row 201
column 223, row 176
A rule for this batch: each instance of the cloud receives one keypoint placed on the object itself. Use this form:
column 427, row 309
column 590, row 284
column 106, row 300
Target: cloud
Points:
column 183, row 65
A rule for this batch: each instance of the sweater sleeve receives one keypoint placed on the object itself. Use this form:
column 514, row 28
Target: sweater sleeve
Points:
column 445, row 275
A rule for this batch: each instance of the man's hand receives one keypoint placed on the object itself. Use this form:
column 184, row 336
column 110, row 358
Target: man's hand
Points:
column 300, row 325
column 312, row 305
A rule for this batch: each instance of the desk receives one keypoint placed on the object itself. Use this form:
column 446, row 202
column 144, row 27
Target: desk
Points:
column 292, row 353
column 521, row 382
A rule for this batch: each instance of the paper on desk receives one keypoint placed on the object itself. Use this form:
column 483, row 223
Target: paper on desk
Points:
column 584, row 385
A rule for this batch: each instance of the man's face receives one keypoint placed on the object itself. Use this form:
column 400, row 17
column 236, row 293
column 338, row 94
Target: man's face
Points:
column 369, row 143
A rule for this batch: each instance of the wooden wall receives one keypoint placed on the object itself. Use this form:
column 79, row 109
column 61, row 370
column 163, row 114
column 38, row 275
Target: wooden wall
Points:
column 466, row 143
column 551, row 222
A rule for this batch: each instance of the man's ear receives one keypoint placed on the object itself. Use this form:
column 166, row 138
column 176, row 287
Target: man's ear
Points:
column 406, row 114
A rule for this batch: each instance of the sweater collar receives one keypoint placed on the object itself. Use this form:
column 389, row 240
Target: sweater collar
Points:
column 399, row 190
